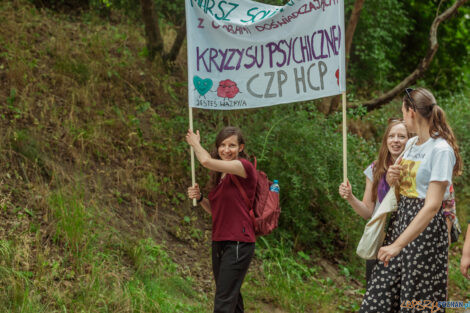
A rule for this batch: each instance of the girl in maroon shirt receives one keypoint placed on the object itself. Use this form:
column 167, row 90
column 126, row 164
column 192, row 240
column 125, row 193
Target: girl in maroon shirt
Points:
column 233, row 235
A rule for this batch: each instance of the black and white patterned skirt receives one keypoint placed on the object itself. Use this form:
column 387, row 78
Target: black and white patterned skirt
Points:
column 418, row 272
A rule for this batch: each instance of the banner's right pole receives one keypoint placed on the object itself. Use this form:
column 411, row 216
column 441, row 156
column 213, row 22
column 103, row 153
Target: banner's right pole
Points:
column 342, row 83
column 345, row 141
column 193, row 168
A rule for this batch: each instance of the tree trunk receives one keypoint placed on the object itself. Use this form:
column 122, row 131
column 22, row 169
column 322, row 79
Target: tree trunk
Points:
column 351, row 28
column 152, row 30
column 330, row 104
column 175, row 48
column 424, row 63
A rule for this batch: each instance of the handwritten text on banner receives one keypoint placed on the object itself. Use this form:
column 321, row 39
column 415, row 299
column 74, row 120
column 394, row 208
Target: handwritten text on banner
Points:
column 245, row 54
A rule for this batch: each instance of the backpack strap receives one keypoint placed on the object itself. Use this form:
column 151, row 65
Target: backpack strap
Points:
column 242, row 191
column 245, row 196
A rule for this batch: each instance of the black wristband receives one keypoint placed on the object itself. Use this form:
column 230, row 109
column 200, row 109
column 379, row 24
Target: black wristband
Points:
column 200, row 199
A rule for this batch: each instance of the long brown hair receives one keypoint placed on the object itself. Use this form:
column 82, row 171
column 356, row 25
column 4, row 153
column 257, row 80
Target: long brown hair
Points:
column 221, row 136
column 384, row 159
column 425, row 105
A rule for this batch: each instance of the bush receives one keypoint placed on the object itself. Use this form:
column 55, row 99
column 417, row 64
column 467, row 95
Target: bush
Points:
column 302, row 148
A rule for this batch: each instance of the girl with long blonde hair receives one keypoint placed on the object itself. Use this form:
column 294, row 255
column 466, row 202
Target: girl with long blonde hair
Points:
column 413, row 259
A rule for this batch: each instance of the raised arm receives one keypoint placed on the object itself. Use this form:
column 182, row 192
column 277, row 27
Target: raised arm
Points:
column 432, row 204
column 364, row 208
column 223, row 166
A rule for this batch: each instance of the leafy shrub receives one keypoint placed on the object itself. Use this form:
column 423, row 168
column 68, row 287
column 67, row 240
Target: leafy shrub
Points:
column 302, row 148
column 377, row 44
column 457, row 108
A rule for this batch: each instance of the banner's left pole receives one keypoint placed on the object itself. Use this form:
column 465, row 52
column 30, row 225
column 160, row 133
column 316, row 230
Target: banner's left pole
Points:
column 193, row 168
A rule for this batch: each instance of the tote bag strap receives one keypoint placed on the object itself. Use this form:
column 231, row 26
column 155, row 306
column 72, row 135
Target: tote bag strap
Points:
column 405, row 150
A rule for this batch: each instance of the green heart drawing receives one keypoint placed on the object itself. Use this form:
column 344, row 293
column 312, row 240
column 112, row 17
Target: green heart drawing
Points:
column 202, row 85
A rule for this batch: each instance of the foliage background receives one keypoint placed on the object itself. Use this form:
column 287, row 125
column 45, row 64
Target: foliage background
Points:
column 94, row 167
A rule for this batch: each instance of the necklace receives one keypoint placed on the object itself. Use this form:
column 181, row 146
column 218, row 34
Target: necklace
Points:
column 421, row 141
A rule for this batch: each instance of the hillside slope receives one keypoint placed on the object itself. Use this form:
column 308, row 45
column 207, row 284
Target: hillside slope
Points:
column 93, row 173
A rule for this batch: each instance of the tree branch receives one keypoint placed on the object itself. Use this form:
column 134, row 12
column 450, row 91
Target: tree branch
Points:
column 422, row 66
column 175, row 48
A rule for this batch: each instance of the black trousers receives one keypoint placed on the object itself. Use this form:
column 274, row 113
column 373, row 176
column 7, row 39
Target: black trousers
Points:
column 230, row 262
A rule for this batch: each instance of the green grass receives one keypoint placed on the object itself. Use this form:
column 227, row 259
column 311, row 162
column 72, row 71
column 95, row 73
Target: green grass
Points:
column 296, row 282
column 460, row 286
column 73, row 223
column 158, row 287
column 89, row 266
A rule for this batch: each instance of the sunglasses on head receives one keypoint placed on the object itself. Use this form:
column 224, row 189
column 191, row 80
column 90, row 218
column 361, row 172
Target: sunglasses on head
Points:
column 408, row 94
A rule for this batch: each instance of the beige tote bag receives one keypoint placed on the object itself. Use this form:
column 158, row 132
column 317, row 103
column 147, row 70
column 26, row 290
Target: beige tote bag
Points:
column 374, row 232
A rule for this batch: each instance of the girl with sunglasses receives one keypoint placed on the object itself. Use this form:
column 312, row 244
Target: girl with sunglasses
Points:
column 413, row 260
column 393, row 143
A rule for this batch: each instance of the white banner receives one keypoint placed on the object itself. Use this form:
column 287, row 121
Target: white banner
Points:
column 245, row 54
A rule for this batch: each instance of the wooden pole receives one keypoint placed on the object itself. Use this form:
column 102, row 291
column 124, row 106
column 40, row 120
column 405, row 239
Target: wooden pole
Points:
column 193, row 169
column 345, row 141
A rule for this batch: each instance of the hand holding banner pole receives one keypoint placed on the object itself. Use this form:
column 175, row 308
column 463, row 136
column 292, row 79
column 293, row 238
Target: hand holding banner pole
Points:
column 215, row 83
column 193, row 169
column 345, row 148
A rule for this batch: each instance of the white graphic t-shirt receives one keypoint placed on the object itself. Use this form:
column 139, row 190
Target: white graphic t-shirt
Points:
column 433, row 160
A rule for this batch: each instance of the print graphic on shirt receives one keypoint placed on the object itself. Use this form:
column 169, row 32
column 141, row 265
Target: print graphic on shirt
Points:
column 408, row 178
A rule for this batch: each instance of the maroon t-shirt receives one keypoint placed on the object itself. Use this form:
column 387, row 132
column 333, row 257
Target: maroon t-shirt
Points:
column 230, row 214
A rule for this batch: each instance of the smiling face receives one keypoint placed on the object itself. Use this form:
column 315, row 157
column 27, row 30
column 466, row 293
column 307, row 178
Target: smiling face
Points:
column 396, row 139
column 229, row 148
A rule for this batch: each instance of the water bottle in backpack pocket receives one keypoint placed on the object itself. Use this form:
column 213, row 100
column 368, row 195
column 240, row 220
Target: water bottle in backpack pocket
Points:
column 265, row 209
column 275, row 186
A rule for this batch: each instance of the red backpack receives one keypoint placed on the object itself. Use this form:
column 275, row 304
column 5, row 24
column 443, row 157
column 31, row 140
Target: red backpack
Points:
column 265, row 210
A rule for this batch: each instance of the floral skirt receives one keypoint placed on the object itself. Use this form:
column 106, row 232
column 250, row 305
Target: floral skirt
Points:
column 417, row 273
